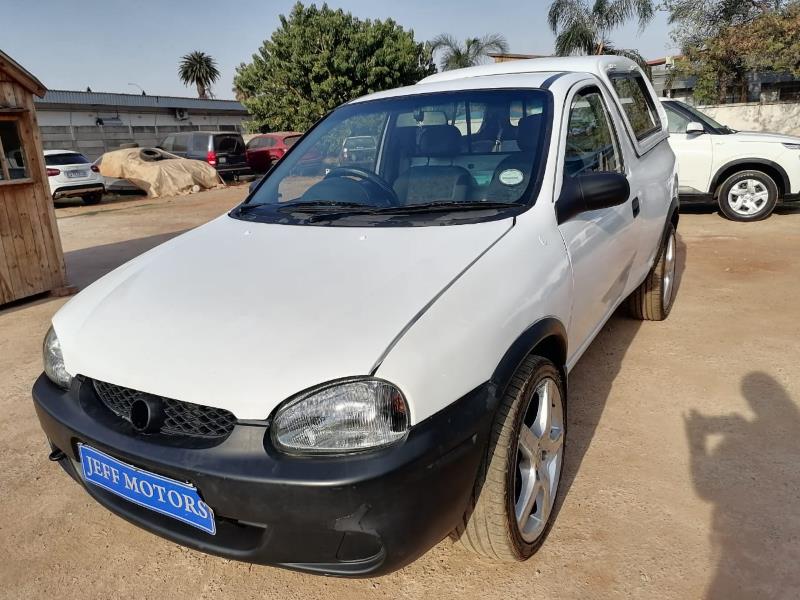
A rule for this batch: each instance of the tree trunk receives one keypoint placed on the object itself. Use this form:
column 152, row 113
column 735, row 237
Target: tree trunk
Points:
column 201, row 91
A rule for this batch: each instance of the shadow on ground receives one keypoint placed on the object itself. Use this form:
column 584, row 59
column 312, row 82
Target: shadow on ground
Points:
column 748, row 469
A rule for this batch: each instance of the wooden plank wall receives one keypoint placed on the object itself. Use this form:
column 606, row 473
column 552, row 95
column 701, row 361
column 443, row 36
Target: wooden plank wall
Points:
column 31, row 259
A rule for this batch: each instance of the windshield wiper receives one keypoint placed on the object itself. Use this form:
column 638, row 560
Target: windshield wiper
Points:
column 318, row 205
column 446, row 207
column 427, row 207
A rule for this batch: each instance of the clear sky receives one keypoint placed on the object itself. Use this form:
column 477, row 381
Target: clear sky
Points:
column 107, row 44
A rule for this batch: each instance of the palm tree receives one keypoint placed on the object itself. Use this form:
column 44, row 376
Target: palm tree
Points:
column 584, row 29
column 199, row 69
column 473, row 52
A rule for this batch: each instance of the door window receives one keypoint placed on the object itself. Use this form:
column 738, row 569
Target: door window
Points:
column 166, row 144
column 637, row 104
column 676, row 121
column 592, row 144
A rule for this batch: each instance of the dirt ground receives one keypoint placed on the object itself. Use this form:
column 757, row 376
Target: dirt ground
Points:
column 682, row 474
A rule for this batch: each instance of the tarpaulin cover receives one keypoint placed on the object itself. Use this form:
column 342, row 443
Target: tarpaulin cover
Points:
column 157, row 172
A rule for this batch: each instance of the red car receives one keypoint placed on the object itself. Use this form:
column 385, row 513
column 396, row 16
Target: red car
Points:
column 264, row 149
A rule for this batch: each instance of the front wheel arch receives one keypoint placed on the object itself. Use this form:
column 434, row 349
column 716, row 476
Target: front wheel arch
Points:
column 773, row 169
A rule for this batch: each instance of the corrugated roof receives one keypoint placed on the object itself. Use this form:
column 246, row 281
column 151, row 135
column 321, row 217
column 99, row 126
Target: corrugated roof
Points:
column 136, row 101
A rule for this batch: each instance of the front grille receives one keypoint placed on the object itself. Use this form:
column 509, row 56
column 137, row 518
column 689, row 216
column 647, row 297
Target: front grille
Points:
column 180, row 418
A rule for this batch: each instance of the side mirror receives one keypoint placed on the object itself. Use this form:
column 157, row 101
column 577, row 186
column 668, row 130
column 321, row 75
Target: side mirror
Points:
column 695, row 127
column 591, row 191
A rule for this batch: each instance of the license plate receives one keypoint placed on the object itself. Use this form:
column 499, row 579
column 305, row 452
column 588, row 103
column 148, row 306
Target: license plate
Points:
column 222, row 160
column 164, row 495
column 75, row 174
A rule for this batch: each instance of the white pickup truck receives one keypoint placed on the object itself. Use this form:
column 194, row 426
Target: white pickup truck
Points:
column 745, row 172
column 351, row 365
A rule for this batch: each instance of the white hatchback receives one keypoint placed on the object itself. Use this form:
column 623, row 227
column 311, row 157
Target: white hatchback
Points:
column 362, row 358
column 71, row 174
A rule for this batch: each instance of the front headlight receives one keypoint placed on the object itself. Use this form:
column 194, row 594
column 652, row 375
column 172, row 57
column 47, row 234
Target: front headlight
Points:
column 54, row 360
column 792, row 146
column 345, row 416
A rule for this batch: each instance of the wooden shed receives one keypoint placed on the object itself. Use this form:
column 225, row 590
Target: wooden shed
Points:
column 31, row 259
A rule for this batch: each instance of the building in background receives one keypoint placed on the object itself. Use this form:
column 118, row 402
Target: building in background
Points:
column 96, row 122
column 761, row 87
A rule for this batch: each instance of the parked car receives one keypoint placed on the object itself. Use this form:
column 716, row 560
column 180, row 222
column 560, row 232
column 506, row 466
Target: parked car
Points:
column 745, row 173
column 223, row 150
column 265, row 149
column 346, row 368
column 358, row 151
column 71, row 174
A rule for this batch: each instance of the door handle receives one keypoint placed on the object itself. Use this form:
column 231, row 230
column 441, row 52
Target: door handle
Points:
column 635, row 207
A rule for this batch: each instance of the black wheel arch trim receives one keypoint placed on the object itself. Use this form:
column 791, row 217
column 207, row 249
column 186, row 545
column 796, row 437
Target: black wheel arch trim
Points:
column 525, row 344
column 785, row 183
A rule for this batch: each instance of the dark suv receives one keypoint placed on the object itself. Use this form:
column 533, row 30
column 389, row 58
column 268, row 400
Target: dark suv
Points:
column 225, row 151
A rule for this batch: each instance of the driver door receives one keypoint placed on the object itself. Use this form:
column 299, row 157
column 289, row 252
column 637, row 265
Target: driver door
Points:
column 601, row 243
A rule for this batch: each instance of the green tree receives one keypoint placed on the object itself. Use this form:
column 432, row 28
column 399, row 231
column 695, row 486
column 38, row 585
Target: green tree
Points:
column 472, row 52
column 723, row 41
column 198, row 69
column 584, row 28
column 319, row 58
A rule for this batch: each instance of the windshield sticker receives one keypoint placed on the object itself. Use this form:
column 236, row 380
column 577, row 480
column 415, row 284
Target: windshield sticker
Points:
column 511, row 177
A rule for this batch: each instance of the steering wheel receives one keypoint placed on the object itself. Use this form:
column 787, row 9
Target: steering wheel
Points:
column 391, row 200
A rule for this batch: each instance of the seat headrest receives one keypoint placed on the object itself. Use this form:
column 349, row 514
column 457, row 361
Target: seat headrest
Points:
column 439, row 140
column 528, row 132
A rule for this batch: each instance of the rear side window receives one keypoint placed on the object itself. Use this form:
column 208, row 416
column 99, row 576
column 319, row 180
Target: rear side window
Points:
column 232, row 144
column 200, row 143
column 179, row 145
column 637, row 104
column 289, row 140
column 72, row 158
column 591, row 139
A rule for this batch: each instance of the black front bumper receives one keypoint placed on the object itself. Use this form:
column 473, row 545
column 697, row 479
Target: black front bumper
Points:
column 359, row 515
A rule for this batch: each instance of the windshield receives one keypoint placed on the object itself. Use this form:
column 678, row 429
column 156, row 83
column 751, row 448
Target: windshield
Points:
column 703, row 118
column 457, row 150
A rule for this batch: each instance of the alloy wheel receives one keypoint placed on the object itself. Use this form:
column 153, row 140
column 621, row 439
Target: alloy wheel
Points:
column 539, row 456
column 748, row 197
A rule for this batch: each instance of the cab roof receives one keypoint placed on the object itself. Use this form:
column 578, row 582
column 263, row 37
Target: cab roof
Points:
column 491, row 81
column 597, row 65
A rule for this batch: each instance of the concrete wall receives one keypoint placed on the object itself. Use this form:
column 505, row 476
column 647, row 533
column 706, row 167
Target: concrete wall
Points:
column 775, row 117
column 78, row 130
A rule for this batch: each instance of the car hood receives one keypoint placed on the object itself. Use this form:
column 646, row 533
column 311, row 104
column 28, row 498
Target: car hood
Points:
column 759, row 136
column 242, row 315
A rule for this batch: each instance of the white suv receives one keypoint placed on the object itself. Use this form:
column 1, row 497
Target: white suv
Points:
column 71, row 174
column 745, row 173
column 347, row 367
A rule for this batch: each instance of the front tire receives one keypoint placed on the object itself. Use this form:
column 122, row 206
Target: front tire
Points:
column 517, row 484
column 652, row 300
column 748, row 196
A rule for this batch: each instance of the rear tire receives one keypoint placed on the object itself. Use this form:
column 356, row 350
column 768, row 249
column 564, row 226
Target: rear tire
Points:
column 748, row 196
column 92, row 199
column 653, row 299
column 521, row 472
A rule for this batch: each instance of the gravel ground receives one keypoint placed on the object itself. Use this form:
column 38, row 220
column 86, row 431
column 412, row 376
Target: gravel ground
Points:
column 681, row 479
